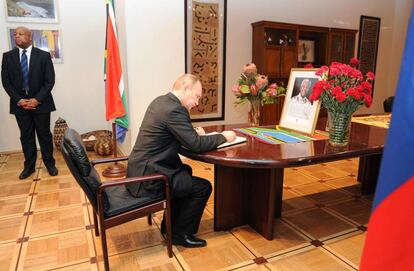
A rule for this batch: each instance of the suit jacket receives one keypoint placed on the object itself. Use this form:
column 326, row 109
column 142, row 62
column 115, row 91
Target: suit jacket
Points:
column 165, row 128
column 41, row 80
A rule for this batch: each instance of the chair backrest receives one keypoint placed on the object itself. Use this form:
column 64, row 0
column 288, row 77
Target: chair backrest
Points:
column 388, row 104
column 77, row 160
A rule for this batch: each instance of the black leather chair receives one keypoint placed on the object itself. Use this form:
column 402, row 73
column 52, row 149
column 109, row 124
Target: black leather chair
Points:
column 111, row 202
column 388, row 104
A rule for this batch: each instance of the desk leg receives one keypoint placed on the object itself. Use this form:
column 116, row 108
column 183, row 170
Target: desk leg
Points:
column 247, row 196
column 368, row 171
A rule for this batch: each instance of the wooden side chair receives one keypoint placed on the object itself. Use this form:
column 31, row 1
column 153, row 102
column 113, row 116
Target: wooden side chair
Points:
column 112, row 204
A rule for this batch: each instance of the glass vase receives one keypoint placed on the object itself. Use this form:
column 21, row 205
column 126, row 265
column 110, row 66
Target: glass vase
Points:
column 339, row 125
column 254, row 113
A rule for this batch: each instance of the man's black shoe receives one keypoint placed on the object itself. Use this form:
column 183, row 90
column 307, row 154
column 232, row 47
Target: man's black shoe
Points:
column 188, row 240
column 53, row 171
column 26, row 173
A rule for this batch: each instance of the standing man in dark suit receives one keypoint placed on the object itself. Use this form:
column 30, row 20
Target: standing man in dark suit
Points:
column 165, row 128
column 28, row 77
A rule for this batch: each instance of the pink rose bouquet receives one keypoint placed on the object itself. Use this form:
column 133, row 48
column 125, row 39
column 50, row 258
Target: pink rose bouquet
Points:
column 255, row 87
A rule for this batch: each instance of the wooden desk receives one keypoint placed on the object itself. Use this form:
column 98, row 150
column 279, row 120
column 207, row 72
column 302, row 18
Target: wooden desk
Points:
column 248, row 178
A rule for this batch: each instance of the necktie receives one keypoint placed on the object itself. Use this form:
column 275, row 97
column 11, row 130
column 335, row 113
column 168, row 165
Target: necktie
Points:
column 25, row 71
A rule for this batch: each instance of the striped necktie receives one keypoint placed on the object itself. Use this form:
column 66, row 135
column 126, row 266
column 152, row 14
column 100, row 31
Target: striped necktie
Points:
column 25, row 71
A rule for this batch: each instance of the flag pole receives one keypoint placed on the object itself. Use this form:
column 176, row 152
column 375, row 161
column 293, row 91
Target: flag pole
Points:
column 116, row 169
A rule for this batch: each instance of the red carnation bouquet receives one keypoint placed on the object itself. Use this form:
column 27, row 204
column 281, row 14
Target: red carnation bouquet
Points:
column 343, row 88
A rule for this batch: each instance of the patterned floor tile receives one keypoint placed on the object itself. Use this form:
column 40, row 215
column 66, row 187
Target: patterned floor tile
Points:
column 12, row 228
column 323, row 172
column 54, row 251
column 223, row 251
column 348, row 183
column 55, row 184
column 152, row 258
column 14, row 206
column 285, row 239
column 308, row 260
column 53, row 200
column 253, row 267
column 321, row 193
column 9, row 176
column 294, row 178
column 348, row 247
column 350, row 166
column 87, row 266
column 134, row 235
column 56, row 221
column 17, row 189
column 318, row 223
column 355, row 209
column 206, row 224
column 8, row 256
column 295, row 201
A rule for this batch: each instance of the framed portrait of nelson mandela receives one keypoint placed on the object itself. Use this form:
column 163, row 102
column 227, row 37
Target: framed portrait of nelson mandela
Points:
column 205, row 54
column 31, row 11
column 299, row 113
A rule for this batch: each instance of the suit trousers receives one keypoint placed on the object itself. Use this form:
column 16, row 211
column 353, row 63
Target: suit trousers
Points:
column 186, row 212
column 29, row 125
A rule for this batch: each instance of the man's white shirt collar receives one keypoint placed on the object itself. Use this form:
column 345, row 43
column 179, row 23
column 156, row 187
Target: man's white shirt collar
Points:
column 28, row 52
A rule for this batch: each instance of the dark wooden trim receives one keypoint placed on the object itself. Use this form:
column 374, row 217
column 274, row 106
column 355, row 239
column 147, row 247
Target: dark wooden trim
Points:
column 185, row 37
column 363, row 17
column 223, row 88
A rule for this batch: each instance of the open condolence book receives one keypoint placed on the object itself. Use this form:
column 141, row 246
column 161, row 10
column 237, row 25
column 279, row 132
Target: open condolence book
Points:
column 238, row 140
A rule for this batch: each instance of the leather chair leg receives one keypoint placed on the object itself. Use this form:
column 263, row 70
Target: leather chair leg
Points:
column 168, row 229
column 104, row 246
column 95, row 221
column 149, row 219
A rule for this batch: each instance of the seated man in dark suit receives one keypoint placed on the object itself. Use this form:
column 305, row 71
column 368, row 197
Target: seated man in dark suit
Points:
column 166, row 127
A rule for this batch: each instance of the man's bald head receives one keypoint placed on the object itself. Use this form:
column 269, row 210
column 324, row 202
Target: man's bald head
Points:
column 188, row 89
column 23, row 37
column 185, row 80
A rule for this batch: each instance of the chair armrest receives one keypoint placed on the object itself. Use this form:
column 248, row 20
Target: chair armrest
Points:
column 130, row 180
column 108, row 160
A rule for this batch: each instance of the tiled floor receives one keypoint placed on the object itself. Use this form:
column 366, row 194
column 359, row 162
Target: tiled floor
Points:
column 45, row 224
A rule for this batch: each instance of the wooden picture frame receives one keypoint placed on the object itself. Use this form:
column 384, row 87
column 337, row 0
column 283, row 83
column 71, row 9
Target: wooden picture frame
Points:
column 369, row 30
column 306, row 51
column 300, row 114
column 31, row 11
column 205, row 54
column 47, row 40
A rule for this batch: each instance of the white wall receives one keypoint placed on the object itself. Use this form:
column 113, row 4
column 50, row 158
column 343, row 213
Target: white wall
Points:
column 154, row 43
column 79, row 88
column 152, row 46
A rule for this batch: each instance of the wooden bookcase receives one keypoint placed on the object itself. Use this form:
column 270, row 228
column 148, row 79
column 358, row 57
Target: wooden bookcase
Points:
column 276, row 50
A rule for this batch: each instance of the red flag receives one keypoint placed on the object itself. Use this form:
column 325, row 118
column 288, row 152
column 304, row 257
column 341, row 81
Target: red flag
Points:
column 114, row 80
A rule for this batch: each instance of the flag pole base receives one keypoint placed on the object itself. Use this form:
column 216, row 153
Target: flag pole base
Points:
column 114, row 170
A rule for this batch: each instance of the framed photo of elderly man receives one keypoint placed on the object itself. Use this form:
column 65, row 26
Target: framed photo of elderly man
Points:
column 299, row 113
column 31, row 11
